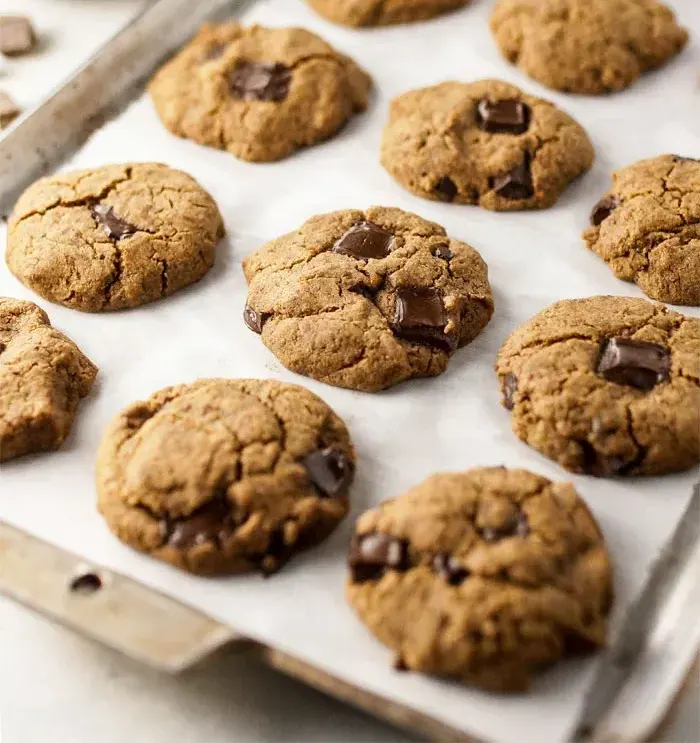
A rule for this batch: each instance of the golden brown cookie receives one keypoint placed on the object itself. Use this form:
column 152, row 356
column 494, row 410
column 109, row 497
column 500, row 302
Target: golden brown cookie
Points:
column 485, row 576
column 224, row 476
column 484, row 143
column 259, row 93
column 606, row 386
column 43, row 375
column 647, row 228
column 586, row 46
column 113, row 237
column 383, row 12
column 366, row 300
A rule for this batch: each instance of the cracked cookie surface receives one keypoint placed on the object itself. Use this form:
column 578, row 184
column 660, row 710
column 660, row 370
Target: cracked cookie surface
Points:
column 259, row 93
column 225, row 476
column 113, row 237
column 43, row 375
column 606, row 386
column 647, row 228
column 383, row 12
column 366, row 300
column 484, row 576
column 586, row 46
column 484, row 143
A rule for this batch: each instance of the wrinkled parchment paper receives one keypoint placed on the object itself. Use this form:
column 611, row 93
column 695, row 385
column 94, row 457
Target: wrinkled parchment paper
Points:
column 449, row 423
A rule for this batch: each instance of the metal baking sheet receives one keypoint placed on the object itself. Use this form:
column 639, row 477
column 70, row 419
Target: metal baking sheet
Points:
column 298, row 620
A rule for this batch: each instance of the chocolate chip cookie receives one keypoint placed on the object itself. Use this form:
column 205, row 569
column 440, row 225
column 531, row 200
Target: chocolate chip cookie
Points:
column 224, row 476
column 259, row 93
column 113, row 237
column 484, row 576
column 382, row 13
column 43, row 375
column 606, row 386
column 647, row 228
column 484, row 143
column 586, row 46
column 366, row 300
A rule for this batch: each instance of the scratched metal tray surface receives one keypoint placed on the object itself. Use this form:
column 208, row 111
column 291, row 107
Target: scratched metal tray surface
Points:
column 56, row 555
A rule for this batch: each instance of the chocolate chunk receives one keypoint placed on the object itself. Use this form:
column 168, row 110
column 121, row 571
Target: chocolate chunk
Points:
column 213, row 522
column 330, row 471
column 507, row 116
column 16, row 35
column 599, row 465
column 365, row 240
column 420, row 317
column 9, row 110
column 371, row 555
column 518, row 527
column 510, row 387
column 448, row 568
column 516, row 183
column 260, row 81
column 400, row 664
column 635, row 363
column 445, row 189
column 114, row 226
column 254, row 320
column 444, row 252
column 603, row 209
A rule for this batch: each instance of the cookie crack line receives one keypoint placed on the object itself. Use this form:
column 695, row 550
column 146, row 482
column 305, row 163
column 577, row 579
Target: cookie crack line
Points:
column 83, row 201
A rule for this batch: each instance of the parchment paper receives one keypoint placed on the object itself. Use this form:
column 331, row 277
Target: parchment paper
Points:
column 448, row 423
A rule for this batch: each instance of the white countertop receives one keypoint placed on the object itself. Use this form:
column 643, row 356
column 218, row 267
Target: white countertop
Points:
column 57, row 688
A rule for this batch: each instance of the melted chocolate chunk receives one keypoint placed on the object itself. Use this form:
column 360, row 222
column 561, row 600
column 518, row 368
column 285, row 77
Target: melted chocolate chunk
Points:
column 518, row 527
column 420, row 317
column 365, row 240
column 603, row 209
column 507, row 116
column 213, row 522
column 254, row 320
column 599, row 465
column 510, row 387
column 516, row 183
column 86, row 584
column 444, row 252
column 371, row 555
column 449, row 569
column 330, row 471
column 445, row 189
column 635, row 363
column 260, row 81
column 113, row 225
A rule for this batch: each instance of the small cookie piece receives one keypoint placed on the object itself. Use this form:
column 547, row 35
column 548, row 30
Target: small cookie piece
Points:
column 225, row 476
column 17, row 35
column 43, row 375
column 358, row 13
column 484, row 143
column 586, row 46
column 366, row 300
column 9, row 110
column 647, row 228
column 606, row 386
column 113, row 237
column 485, row 576
column 259, row 93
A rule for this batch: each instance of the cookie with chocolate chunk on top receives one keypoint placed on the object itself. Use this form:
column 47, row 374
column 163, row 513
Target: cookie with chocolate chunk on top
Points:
column 225, row 476
column 486, row 143
column 484, row 576
column 606, row 386
column 367, row 299
column 647, row 228
column 258, row 93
